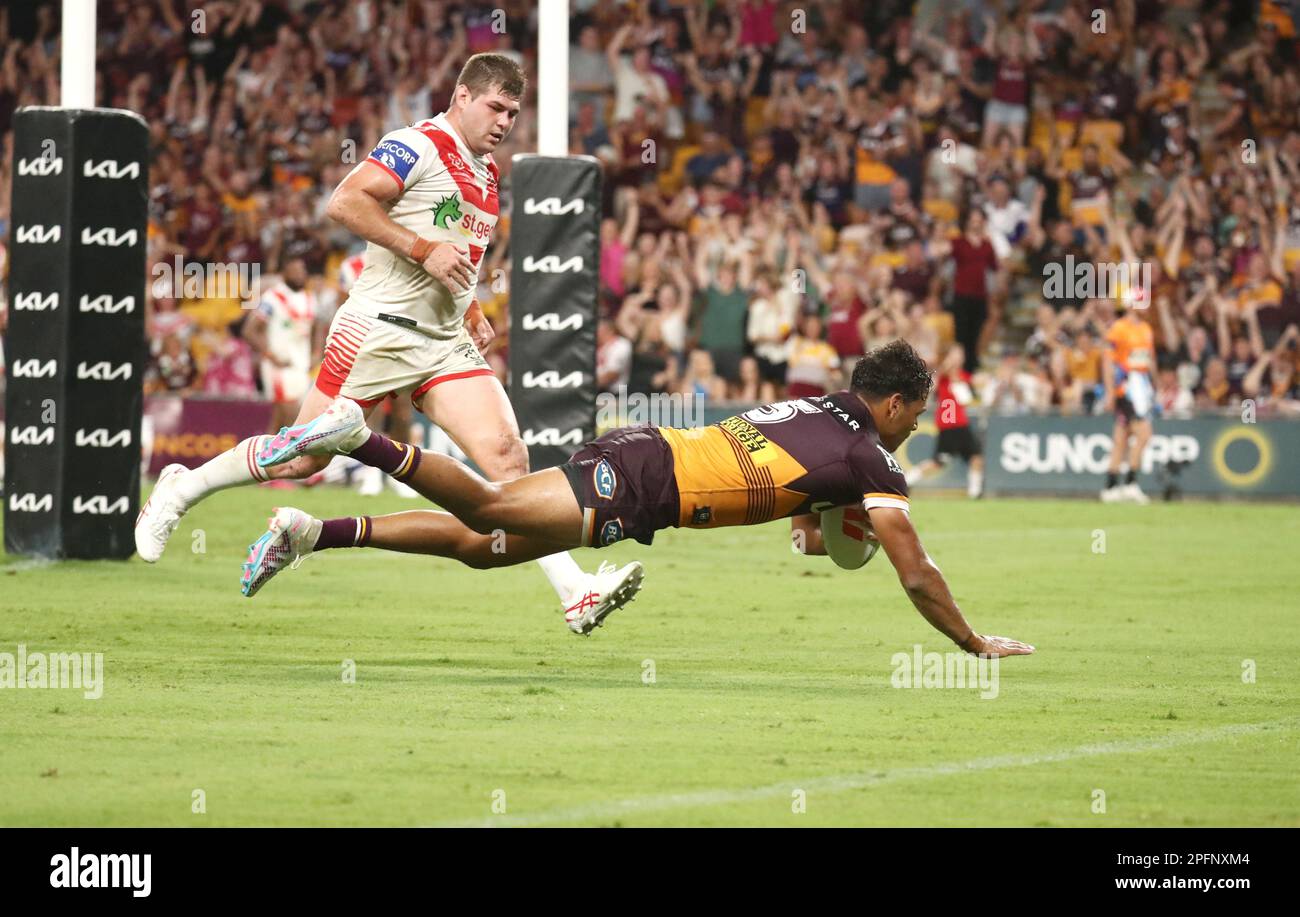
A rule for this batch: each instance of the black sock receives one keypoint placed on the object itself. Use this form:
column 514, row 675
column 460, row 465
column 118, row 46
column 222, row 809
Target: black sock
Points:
column 1111, row 479
column 1131, row 477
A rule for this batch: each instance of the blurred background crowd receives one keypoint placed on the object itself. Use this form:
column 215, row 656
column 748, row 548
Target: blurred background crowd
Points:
column 787, row 184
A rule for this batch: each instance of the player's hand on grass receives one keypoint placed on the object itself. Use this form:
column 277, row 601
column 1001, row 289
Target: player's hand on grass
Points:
column 450, row 264
column 979, row 645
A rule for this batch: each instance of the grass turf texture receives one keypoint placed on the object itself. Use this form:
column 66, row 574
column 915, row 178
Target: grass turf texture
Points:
column 771, row 674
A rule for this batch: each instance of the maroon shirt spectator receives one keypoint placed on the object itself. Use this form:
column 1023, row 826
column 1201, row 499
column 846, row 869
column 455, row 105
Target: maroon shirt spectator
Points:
column 202, row 223
column 842, row 325
column 1011, row 85
column 973, row 263
column 973, row 253
column 758, row 24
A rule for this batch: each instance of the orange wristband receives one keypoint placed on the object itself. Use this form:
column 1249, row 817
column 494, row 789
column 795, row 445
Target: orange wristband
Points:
column 420, row 249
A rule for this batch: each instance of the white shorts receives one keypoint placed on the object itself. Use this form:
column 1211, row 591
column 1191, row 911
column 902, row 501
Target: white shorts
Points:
column 284, row 384
column 368, row 359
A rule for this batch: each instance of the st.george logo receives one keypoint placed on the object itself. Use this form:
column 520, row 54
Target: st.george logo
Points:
column 604, row 480
column 447, row 211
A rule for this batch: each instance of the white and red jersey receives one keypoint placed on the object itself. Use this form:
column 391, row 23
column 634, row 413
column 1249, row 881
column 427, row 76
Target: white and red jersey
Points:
column 449, row 194
column 349, row 271
column 290, row 316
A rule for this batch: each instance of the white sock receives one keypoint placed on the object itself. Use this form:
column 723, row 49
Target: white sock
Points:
column 913, row 475
column 229, row 469
column 564, row 573
column 974, row 483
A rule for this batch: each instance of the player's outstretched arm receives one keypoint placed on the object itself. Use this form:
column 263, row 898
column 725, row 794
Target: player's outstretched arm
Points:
column 928, row 590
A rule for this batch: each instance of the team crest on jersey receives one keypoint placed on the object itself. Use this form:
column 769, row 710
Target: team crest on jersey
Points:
column 604, row 480
column 447, row 211
column 397, row 157
column 611, row 532
column 890, row 460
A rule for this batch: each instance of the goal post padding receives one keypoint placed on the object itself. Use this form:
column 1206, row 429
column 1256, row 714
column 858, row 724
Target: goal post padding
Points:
column 555, row 260
column 75, row 349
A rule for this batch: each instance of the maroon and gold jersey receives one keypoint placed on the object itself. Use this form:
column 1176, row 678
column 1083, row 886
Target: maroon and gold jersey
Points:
column 781, row 460
column 777, row 460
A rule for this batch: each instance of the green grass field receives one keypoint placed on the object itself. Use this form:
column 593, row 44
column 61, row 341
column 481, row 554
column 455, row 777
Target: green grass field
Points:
column 771, row 674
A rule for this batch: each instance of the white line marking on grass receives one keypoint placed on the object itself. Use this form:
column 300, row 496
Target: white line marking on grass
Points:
column 612, row 809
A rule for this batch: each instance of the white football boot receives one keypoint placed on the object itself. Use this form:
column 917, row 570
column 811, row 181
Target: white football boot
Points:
column 1133, row 494
column 602, row 592
column 1112, row 494
column 159, row 516
column 289, row 540
column 339, row 429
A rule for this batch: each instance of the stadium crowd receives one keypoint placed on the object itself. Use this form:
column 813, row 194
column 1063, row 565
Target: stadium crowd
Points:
column 787, row 184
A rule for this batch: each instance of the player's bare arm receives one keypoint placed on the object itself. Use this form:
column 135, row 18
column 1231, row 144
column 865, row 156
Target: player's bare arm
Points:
column 255, row 333
column 806, row 532
column 361, row 203
column 928, row 590
column 480, row 329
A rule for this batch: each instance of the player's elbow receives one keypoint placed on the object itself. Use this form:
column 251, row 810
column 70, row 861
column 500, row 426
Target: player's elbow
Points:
column 337, row 207
column 913, row 584
column 916, row 579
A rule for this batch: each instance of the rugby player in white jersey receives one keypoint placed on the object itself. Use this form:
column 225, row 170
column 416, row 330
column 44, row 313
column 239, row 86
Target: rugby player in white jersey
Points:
column 425, row 200
column 282, row 332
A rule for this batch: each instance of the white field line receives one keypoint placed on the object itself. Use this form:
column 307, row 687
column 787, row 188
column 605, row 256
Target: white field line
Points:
column 608, row 810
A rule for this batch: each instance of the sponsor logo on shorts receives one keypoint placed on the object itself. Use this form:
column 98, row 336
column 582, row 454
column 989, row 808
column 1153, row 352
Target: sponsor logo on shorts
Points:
column 611, row 532
column 702, row 515
column 604, row 480
column 396, row 156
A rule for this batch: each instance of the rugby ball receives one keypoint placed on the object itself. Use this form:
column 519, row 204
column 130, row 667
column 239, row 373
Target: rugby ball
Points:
column 845, row 531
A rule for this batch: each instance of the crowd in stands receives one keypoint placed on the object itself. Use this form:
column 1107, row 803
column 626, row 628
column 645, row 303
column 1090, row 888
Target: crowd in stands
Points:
column 786, row 184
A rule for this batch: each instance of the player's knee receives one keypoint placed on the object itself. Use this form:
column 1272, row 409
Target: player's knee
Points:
column 489, row 511
column 506, row 458
column 475, row 551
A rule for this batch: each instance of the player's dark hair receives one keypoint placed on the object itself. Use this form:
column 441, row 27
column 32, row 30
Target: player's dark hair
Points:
column 893, row 368
column 487, row 71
